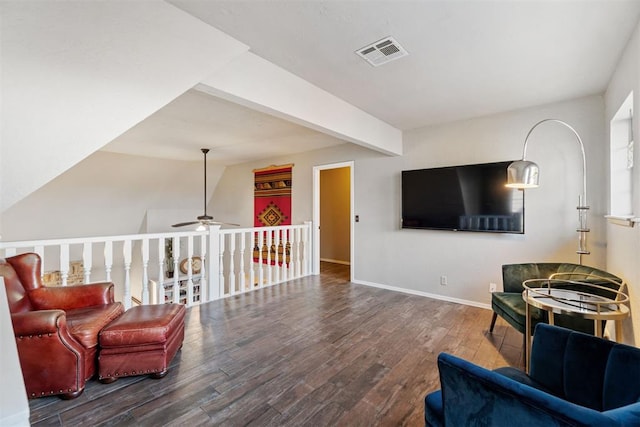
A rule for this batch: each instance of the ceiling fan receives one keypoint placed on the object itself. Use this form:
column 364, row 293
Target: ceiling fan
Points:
column 204, row 220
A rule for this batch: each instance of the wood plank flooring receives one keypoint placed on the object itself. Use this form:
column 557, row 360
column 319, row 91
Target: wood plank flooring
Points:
column 318, row 351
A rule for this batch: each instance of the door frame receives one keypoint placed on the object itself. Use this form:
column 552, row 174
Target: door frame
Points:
column 316, row 215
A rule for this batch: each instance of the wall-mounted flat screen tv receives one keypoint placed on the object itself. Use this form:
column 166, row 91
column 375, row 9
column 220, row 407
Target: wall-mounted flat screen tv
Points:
column 462, row 198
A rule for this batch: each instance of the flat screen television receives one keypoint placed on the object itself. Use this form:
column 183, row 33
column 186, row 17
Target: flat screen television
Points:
column 462, row 198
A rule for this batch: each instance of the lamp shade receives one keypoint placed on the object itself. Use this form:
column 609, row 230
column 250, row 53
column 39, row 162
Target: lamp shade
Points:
column 522, row 174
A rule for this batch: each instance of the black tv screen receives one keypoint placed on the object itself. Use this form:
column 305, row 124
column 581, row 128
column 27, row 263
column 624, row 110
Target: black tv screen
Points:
column 462, row 198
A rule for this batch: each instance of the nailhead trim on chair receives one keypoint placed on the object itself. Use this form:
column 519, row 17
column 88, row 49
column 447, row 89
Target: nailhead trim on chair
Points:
column 42, row 393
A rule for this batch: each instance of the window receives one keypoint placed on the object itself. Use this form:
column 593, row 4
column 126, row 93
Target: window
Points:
column 621, row 171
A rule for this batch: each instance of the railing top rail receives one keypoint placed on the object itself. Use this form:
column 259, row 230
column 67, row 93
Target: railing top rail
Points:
column 252, row 229
column 98, row 239
column 141, row 236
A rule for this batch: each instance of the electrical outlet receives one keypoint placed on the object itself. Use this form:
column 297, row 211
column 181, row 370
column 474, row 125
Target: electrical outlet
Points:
column 443, row 280
column 492, row 287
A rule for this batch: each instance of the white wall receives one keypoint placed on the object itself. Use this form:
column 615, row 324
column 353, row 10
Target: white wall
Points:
column 110, row 194
column 14, row 408
column 623, row 247
column 414, row 260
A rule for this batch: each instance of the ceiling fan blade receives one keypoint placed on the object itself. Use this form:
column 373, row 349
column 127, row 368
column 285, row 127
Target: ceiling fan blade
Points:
column 212, row 222
column 183, row 224
column 225, row 223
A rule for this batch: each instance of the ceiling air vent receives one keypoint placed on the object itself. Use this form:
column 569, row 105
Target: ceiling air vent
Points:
column 382, row 51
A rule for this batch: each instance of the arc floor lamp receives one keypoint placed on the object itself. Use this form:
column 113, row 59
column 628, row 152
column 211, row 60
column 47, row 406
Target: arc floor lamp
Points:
column 525, row 174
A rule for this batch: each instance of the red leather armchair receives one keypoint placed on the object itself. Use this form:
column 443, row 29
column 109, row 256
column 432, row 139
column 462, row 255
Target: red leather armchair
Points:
column 56, row 328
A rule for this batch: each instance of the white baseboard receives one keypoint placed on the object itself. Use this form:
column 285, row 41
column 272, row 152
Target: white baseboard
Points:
column 425, row 294
column 335, row 261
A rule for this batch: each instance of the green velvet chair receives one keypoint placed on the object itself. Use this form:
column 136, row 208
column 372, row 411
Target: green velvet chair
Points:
column 511, row 307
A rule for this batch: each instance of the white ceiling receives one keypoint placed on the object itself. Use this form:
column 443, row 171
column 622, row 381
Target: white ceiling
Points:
column 466, row 59
column 235, row 134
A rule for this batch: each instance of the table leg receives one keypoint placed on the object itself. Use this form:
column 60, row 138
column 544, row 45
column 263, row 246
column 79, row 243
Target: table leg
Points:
column 597, row 327
column 527, row 340
column 618, row 330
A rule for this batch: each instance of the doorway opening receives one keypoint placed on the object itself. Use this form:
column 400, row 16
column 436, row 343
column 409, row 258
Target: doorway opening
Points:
column 333, row 222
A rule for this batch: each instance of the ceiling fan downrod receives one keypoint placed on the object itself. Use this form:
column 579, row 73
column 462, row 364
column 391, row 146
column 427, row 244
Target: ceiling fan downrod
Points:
column 205, row 216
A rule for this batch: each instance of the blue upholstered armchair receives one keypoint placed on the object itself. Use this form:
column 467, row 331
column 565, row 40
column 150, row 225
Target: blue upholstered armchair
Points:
column 575, row 380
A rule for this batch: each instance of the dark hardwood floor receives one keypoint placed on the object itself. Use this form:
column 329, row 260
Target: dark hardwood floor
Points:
column 317, row 351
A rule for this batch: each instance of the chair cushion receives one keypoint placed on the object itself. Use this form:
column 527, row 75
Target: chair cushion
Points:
column 512, row 308
column 86, row 323
column 521, row 377
column 144, row 324
column 622, row 377
column 585, row 362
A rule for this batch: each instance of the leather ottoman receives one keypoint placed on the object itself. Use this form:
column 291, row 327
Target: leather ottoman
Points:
column 142, row 341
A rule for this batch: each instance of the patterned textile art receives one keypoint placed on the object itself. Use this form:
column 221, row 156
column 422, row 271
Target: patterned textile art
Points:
column 272, row 196
column 272, row 207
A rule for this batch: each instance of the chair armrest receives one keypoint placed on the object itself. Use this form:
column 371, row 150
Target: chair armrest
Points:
column 627, row 415
column 474, row 396
column 69, row 297
column 34, row 323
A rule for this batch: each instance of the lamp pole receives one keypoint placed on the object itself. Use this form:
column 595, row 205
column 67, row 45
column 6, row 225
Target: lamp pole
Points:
column 582, row 198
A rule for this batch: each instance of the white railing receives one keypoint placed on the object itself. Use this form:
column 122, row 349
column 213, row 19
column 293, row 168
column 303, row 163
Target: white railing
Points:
column 154, row 268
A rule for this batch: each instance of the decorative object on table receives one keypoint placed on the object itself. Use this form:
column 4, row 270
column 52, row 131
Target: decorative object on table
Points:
column 272, row 207
column 525, row 174
column 204, row 220
column 196, row 265
column 575, row 379
column 511, row 307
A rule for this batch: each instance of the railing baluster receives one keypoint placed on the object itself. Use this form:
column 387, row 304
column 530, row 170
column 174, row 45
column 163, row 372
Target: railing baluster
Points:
column 285, row 265
column 145, row 271
column 189, row 271
column 87, row 261
column 221, row 239
column 126, row 252
column 64, row 263
column 252, row 270
column 269, row 258
column 306, row 241
column 276, row 265
column 215, row 289
column 204, row 295
column 176, row 270
column 262, row 243
column 232, row 273
column 160, row 284
column 108, row 259
column 243, row 276
column 295, row 252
